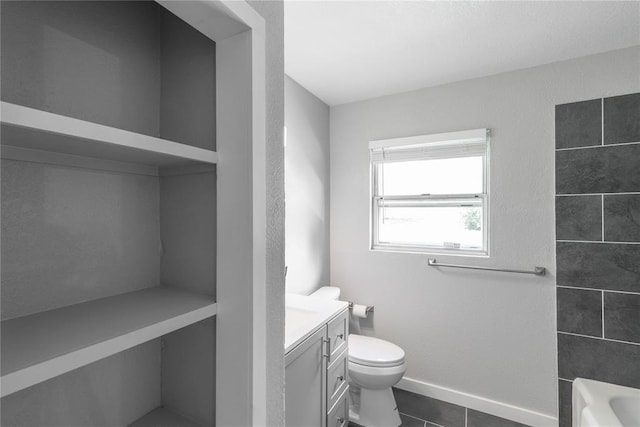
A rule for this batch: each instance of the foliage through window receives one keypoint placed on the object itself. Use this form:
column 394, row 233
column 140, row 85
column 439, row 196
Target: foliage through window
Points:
column 430, row 193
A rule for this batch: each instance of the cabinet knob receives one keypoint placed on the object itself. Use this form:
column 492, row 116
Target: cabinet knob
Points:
column 340, row 420
column 340, row 336
column 340, row 378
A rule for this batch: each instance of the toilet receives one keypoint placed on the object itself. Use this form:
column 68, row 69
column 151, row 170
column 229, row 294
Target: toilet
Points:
column 375, row 366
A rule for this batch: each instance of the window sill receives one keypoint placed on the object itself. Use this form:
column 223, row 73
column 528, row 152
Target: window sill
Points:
column 417, row 250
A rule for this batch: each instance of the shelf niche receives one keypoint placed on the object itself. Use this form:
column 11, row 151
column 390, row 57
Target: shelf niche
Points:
column 127, row 207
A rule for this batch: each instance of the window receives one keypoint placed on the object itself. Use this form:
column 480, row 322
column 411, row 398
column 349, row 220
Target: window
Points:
column 430, row 193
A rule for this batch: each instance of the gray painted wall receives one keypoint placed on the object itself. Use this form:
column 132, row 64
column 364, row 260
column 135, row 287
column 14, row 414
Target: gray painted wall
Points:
column 487, row 334
column 71, row 235
column 188, row 372
column 188, row 232
column 306, row 189
column 187, row 84
column 80, row 52
column 85, row 396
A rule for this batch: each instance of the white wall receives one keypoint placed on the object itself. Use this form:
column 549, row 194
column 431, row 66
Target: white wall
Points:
column 491, row 335
column 273, row 14
column 306, row 189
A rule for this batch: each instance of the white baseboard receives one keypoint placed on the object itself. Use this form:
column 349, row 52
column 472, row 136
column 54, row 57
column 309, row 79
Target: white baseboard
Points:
column 482, row 404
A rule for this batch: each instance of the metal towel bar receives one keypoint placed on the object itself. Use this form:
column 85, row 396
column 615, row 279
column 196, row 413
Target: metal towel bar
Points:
column 538, row 271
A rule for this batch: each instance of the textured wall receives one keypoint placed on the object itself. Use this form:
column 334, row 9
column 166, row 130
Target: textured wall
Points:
column 487, row 334
column 80, row 52
column 187, row 83
column 71, row 235
column 307, row 189
column 598, row 243
column 85, row 396
column 273, row 13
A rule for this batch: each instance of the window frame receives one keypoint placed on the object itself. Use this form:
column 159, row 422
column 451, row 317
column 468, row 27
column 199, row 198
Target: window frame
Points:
column 452, row 139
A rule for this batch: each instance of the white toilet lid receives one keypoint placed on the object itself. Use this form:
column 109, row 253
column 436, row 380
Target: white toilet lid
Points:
column 371, row 351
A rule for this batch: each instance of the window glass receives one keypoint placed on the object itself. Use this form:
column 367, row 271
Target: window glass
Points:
column 462, row 175
column 453, row 227
column 430, row 194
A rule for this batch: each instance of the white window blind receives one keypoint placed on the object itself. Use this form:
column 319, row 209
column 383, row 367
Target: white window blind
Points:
column 441, row 146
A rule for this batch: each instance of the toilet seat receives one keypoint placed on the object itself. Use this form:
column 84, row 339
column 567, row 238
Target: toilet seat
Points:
column 374, row 352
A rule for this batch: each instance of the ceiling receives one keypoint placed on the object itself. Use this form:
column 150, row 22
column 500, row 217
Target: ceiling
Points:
column 345, row 51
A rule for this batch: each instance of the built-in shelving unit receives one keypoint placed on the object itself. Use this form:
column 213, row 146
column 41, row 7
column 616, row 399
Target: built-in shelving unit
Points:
column 41, row 346
column 35, row 135
column 109, row 216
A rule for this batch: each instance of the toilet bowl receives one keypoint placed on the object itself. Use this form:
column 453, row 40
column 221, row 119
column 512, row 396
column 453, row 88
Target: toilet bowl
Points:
column 375, row 366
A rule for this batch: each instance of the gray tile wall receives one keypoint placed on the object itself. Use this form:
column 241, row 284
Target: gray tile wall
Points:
column 598, row 243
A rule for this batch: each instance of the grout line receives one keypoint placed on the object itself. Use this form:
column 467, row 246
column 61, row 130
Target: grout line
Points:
column 599, row 289
column 599, row 339
column 602, row 120
column 602, row 213
column 598, row 241
column 598, row 146
column 602, row 314
column 599, row 194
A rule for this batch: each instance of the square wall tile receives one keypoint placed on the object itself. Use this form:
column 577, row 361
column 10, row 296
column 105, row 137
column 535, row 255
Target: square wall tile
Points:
column 579, row 124
column 622, row 217
column 622, row 119
column 481, row 419
column 564, row 403
column 598, row 265
column 429, row 409
column 580, row 311
column 608, row 169
column 622, row 317
column 579, row 218
column 598, row 359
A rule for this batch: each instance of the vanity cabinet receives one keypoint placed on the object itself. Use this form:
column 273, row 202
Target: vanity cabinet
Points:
column 317, row 387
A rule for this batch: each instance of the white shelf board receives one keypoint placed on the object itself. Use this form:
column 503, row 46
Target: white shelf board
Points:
column 162, row 417
column 41, row 346
column 33, row 129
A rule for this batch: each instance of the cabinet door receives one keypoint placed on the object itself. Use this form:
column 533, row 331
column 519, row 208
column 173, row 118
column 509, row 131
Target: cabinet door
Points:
column 305, row 376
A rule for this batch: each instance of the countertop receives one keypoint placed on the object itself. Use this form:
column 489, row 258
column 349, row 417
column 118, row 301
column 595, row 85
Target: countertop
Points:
column 305, row 314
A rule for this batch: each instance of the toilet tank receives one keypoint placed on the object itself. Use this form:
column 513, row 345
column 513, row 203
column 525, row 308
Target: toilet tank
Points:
column 327, row 292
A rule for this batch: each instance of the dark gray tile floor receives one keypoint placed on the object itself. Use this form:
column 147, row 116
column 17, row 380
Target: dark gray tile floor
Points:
column 432, row 410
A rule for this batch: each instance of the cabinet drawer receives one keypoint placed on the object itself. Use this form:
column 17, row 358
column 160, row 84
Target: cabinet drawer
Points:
column 339, row 333
column 337, row 378
column 338, row 416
